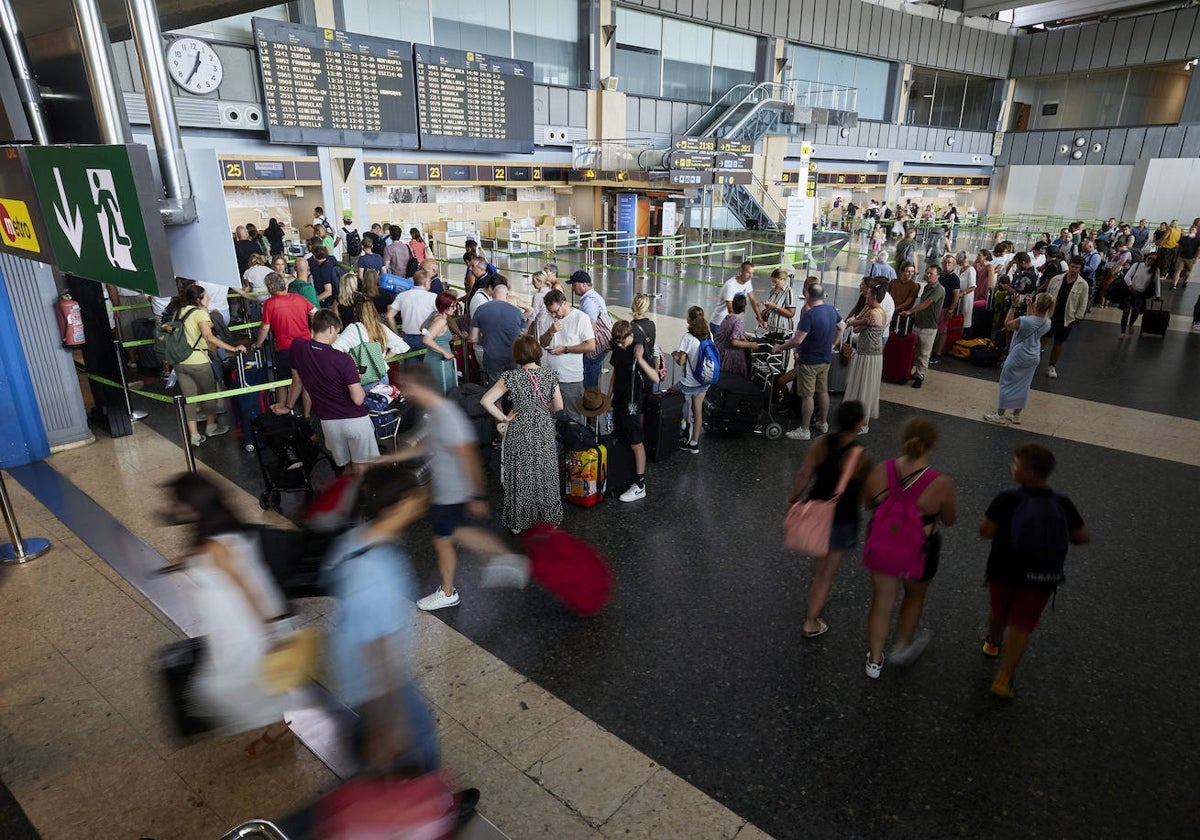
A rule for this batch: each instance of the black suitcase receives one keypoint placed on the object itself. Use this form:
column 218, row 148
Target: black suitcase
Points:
column 734, row 404
column 663, row 417
column 466, row 397
column 1155, row 319
column 621, row 469
column 147, row 359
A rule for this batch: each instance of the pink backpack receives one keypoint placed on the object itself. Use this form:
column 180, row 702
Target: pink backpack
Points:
column 896, row 539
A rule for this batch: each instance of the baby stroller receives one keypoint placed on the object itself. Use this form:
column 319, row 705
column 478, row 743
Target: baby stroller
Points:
column 392, row 418
column 287, row 456
column 740, row 404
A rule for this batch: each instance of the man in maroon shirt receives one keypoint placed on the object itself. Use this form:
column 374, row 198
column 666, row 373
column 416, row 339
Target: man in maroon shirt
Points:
column 331, row 380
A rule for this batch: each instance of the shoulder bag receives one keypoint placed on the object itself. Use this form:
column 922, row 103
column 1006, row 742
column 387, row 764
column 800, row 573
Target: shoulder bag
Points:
column 809, row 523
column 369, row 357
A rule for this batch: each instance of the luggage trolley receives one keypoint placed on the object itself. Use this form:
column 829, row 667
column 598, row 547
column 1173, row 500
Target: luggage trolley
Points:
column 744, row 404
column 392, row 418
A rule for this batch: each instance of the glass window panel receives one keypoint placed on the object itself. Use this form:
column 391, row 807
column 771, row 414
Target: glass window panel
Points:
column 555, row 62
column 684, row 80
column 948, row 100
column 1155, row 95
column 638, row 71
column 920, row 96
column 465, row 25
column 803, row 63
column 553, row 19
column 872, row 79
column 726, row 78
column 734, row 50
column 977, row 109
column 638, row 29
column 837, row 68
column 236, row 27
column 686, row 42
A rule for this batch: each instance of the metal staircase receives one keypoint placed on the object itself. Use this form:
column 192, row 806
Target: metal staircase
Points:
column 738, row 115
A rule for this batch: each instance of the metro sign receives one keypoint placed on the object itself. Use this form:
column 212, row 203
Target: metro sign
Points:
column 16, row 225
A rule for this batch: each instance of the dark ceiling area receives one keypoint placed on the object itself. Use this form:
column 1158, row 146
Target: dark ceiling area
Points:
column 39, row 17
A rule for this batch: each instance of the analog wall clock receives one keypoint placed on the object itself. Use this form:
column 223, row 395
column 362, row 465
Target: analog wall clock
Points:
column 194, row 65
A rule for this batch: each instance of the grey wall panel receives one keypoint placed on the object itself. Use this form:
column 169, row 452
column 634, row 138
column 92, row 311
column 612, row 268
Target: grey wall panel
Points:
column 855, row 38
column 1191, row 142
column 1181, row 34
column 1194, row 44
column 577, row 108
column 633, row 115
column 679, row 117
column 648, row 114
column 1152, row 145
column 1020, row 62
column 991, row 48
column 1134, row 138
column 891, row 22
column 1084, row 47
column 754, row 16
column 668, row 5
column 1018, row 147
column 807, row 13
column 558, row 112
column 1160, row 37
column 684, row 7
column 872, row 135
column 1100, row 136
column 829, row 22
column 973, row 38
column 1139, row 41
column 1045, row 59
column 1172, row 143
column 700, row 8
column 1110, row 49
column 1065, row 60
column 795, row 18
column 1114, row 148
column 730, row 11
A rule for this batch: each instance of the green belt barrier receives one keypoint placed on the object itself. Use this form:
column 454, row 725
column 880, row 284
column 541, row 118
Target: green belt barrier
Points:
column 129, row 307
column 95, row 377
column 249, row 326
column 143, row 342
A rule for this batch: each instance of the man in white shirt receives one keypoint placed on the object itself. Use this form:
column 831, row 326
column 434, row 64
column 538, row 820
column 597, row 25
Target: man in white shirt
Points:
column 414, row 307
column 569, row 337
column 739, row 284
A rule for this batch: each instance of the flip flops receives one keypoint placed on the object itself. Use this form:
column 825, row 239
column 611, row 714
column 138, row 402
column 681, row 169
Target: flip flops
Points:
column 812, row 634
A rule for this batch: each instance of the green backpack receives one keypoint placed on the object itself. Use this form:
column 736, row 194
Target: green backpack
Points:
column 170, row 339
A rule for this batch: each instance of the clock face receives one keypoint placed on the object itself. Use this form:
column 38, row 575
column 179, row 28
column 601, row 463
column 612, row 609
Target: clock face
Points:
column 194, row 65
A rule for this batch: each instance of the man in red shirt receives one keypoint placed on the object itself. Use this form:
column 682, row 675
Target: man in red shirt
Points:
column 287, row 316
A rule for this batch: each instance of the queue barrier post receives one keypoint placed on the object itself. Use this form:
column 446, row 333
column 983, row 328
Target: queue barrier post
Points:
column 118, row 347
column 19, row 549
column 184, row 434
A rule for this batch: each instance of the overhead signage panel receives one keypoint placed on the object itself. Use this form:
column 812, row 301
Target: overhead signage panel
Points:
column 101, row 213
column 22, row 231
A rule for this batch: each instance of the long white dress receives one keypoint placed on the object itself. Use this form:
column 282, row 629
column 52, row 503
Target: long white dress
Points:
column 225, row 684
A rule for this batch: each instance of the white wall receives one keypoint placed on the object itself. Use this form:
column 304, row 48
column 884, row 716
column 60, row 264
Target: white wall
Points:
column 1164, row 189
column 1083, row 192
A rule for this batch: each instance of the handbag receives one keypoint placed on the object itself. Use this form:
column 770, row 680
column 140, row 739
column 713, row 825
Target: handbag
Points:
column 809, row 523
column 291, row 662
column 369, row 357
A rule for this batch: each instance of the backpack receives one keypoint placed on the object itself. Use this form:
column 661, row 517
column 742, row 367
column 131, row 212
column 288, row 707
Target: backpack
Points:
column 170, row 339
column 1039, row 538
column 353, row 241
column 906, row 253
column 896, row 539
column 412, row 266
column 708, row 363
column 1136, row 256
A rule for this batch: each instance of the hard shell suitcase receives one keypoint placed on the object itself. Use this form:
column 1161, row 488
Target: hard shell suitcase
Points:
column 839, row 374
column 587, row 473
column 621, row 468
column 954, row 330
column 735, row 404
column 1155, row 320
column 663, row 415
column 570, row 569
column 899, row 352
column 248, row 407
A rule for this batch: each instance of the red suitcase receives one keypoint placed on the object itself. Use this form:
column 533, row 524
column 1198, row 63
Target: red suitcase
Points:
column 900, row 351
column 570, row 569
column 954, row 331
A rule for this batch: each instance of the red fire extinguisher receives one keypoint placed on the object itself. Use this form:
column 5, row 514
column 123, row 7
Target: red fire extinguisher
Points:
column 70, row 322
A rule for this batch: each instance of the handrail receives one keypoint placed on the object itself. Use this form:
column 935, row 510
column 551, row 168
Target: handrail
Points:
column 256, row 828
column 756, row 94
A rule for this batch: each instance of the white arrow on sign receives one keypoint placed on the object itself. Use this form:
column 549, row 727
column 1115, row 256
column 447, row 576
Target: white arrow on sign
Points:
column 71, row 228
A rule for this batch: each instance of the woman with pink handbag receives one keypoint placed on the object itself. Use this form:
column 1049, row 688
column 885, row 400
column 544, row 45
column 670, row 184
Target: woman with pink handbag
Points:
column 825, row 524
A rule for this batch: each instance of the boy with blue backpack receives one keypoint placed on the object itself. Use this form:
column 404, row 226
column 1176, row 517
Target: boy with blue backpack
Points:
column 1031, row 528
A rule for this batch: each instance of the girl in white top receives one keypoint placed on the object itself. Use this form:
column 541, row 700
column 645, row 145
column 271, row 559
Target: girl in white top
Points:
column 241, row 616
column 368, row 327
column 255, row 277
column 688, row 356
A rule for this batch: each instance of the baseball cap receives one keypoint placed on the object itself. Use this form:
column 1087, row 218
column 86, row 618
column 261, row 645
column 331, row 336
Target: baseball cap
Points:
column 581, row 277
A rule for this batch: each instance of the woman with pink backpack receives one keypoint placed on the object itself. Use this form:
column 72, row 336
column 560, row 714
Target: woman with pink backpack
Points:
column 910, row 500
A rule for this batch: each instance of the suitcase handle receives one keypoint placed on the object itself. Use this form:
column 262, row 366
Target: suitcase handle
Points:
column 904, row 325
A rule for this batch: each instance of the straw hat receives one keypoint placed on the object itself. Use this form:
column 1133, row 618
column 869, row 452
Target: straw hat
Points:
column 593, row 403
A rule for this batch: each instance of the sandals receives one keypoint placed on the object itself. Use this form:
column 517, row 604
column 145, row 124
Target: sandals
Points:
column 266, row 741
column 812, row 634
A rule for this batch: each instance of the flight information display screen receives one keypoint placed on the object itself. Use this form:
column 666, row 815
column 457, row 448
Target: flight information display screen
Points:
column 470, row 102
column 334, row 88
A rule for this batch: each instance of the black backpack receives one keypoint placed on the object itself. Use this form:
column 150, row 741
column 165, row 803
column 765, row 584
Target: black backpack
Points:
column 353, row 241
column 413, row 265
column 1039, row 538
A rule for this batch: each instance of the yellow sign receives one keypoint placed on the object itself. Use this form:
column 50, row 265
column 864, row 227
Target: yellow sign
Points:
column 16, row 226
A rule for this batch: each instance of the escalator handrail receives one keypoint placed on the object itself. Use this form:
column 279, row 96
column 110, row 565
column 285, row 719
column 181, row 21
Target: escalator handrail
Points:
column 775, row 90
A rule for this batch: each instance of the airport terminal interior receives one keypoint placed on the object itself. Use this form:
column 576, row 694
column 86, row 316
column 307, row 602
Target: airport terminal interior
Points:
column 661, row 147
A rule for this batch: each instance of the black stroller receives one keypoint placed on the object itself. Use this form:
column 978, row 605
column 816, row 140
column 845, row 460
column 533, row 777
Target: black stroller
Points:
column 287, row 454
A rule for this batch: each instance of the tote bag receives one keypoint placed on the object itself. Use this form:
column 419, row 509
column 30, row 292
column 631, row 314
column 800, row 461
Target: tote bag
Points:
column 809, row 523
column 367, row 354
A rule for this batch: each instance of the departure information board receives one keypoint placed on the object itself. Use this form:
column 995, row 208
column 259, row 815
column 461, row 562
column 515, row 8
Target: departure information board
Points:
column 333, row 88
column 469, row 102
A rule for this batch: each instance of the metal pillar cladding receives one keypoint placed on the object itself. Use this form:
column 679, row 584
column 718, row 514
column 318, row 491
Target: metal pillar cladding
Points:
column 27, row 88
column 179, row 207
column 18, row 550
column 102, row 81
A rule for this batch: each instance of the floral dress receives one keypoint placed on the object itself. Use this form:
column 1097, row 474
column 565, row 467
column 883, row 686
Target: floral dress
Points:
column 530, row 454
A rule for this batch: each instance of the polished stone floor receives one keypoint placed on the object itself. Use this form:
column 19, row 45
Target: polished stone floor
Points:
column 694, row 694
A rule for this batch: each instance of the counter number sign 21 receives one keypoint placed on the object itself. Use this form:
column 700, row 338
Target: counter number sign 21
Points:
column 118, row 246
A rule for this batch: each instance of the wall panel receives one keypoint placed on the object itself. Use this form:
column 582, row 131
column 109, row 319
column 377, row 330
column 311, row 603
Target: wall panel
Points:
column 1152, row 145
column 1114, row 149
column 1172, row 143
column 1084, row 47
column 1134, row 138
column 854, row 29
column 1110, row 49
column 1181, row 34
column 1139, row 41
column 1160, row 36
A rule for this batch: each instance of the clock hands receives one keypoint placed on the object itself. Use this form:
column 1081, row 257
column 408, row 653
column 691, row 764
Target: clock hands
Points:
column 196, row 68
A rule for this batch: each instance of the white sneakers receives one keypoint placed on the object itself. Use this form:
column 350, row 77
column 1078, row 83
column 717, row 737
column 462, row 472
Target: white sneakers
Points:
column 874, row 669
column 506, row 570
column 438, row 600
column 909, row 653
column 1052, row 373
column 635, row 492
column 823, row 428
column 799, row 433
column 995, row 418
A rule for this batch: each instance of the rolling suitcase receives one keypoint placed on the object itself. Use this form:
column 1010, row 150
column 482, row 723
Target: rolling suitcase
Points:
column 663, row 416
column 621, row 468
column 570, row 569
column 248, row 407
column 954, row 330
column 147, row 358
column 1155, row 319
column 587, row 473
column 899, row 352
column 982, row 320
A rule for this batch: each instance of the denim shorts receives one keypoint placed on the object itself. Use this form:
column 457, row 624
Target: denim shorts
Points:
column 691, row 390
column 844, row 536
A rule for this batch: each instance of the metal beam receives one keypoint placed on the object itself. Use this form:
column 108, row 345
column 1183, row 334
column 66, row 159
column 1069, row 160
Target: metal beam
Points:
column 27, row 88
column 97, row 60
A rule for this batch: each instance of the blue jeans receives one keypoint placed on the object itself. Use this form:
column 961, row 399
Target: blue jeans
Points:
column 591, row 370
column 414, row 342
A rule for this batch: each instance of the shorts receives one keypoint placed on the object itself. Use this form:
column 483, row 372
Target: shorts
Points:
column 1020, row 608
column 844, row 536
column 446, row 519
column 351, row 439
column 812, row 378
column 283, row 364
column 692, row 390
column 628, row 425
column 1060, row 332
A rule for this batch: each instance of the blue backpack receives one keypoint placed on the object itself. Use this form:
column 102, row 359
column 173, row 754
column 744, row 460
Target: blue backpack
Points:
column 1039, row 538
column 708, row 363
